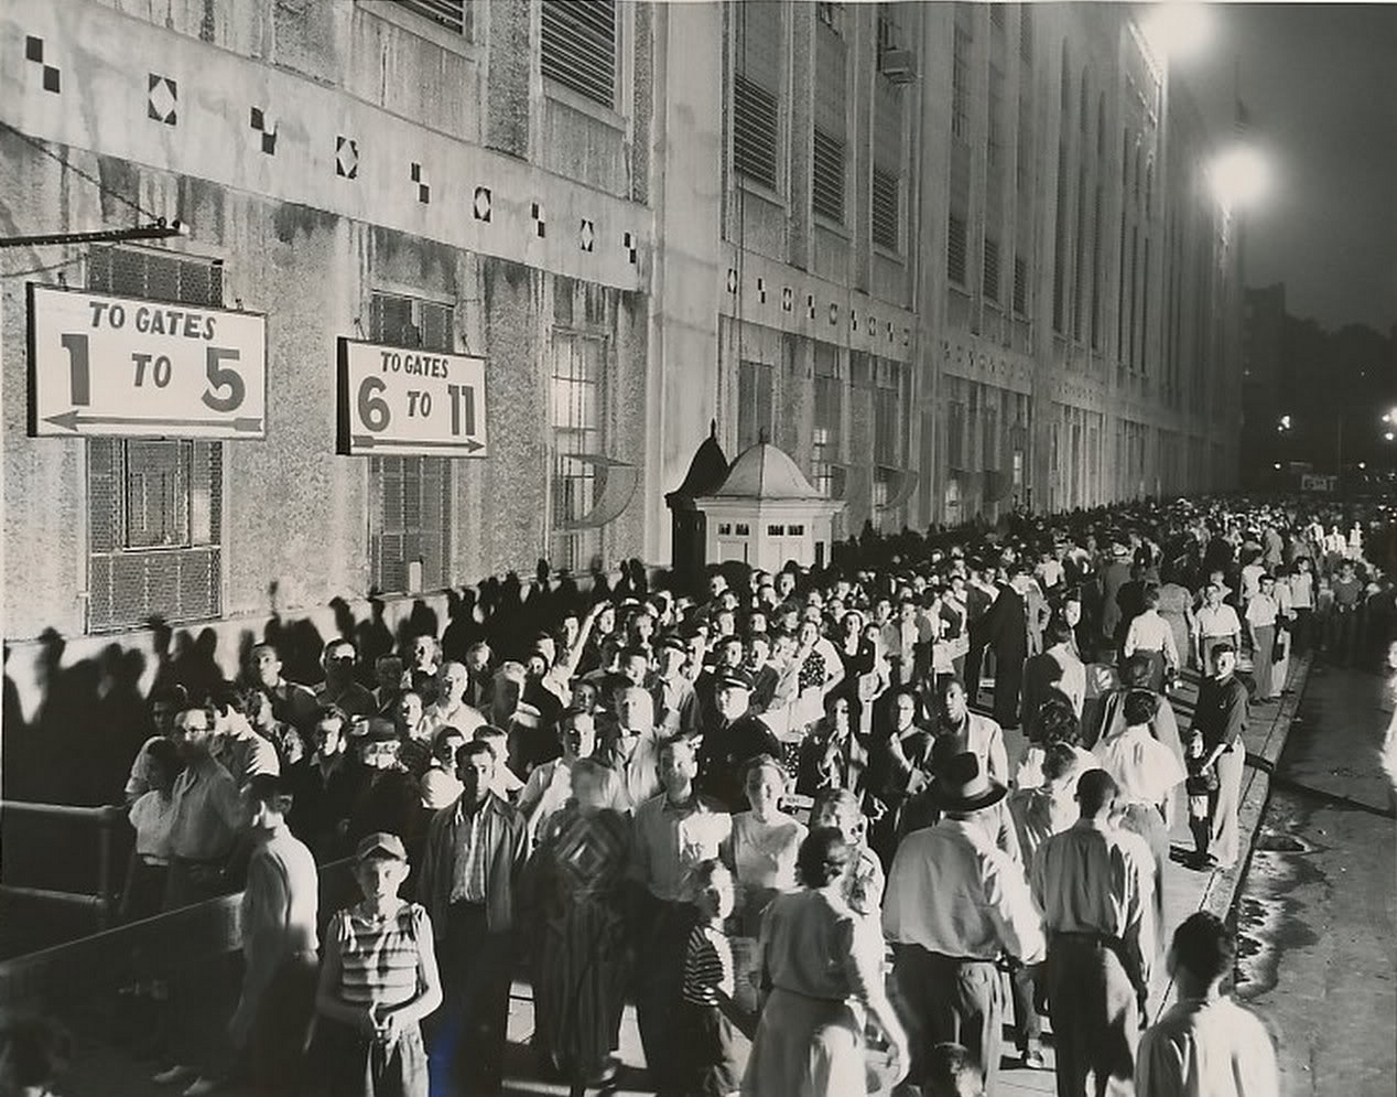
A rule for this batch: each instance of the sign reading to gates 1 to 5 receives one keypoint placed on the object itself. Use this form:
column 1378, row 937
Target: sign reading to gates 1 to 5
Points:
column 397, row 402
column 115, row 365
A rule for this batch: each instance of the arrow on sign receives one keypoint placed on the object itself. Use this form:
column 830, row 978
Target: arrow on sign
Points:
column 70, row 420
column 368, row 441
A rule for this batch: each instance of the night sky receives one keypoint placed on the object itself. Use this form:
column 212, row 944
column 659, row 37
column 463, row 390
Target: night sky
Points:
column 1320, row 83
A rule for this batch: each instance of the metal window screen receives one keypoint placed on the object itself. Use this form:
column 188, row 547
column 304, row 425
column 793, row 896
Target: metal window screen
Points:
column 575, row 397
column 1020, row 285
column 154, row 507
column 454, row 15
column 578, row 47
column 990, row 277
column 754, row 131
column 409, row 497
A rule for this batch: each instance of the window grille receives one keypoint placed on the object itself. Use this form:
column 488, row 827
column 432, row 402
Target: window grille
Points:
column 578, row 47
column 829, row 407
column 409, row 497
column 1020, row 285
column 1025, row 35
column 990, row 278
column 827, row 177
column 956, row 250
column 887, row 414
column 886, row 229
column 997, row 15
column 960, row 85
column 755, row 123
column 154, row 507
column 576, row 394
column 453, row 15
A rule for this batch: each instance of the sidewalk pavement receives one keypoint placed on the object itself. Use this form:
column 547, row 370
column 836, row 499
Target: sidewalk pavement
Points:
column 103, row 1068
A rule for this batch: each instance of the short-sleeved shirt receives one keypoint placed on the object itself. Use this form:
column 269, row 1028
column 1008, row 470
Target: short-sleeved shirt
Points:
column 379, row 957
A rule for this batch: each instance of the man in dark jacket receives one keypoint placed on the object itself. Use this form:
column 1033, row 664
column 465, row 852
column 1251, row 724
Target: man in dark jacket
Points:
column 733, row 740
column 1005, row 630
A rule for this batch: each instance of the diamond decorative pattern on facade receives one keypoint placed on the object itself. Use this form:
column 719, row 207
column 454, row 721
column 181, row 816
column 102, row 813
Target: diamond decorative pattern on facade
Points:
column 810, row 305
column 834, row 314
column 787, row 299
column 480, row 204
column 906, row 337
column 890, row 331
column 761, row 290
column 586, row 235
column 162, row 100
column 267, row 132
column 424, row 190
column 346, row 157
column 853, row 320
column 34, row 51
column 540, row 220
column 629, row 246
column 732, row 279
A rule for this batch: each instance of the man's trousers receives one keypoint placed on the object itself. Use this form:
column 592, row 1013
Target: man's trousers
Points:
column 1095, row 1015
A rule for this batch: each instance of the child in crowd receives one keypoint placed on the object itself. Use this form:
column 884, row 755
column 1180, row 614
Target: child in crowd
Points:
column 378, row 980
column 440, row 786
column 706, row 1040
column 1201, row 785
column 864, row 879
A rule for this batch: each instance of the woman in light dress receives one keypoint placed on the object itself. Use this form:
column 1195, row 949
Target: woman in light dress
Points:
column 821, row 979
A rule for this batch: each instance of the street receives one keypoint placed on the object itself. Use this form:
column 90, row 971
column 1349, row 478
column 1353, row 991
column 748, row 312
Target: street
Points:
column 1317, row 911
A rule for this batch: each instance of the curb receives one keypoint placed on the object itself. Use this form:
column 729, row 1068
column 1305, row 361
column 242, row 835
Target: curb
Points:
column 1220, row 892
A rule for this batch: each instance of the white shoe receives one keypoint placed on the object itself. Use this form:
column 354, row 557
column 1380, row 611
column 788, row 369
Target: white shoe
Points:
column 201, row 1086
column 176, row 1073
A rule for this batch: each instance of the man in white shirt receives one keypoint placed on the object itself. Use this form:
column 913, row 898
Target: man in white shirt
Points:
column 1205, row 1045
column 955, row 903
column 1214, row 623
column 1092, row 883
column 450, row 709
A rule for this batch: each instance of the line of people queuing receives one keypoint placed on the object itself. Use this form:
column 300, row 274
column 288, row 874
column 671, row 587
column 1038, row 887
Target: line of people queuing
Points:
column 730, row 809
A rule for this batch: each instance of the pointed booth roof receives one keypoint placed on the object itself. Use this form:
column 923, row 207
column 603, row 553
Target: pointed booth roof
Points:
column 707, row 470
column 764, row 472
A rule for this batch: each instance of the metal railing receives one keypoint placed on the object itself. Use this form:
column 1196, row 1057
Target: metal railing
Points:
column 106, row 820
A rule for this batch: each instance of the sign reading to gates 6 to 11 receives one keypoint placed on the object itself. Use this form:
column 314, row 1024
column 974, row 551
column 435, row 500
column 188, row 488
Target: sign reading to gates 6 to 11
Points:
column 116, row 365
column 397, row 402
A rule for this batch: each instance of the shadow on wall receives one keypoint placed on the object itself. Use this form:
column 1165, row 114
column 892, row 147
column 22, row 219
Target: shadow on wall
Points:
column 75, row 710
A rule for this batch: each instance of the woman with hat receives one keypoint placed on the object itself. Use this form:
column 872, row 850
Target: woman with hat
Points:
column 378, row 980
column 820, row 978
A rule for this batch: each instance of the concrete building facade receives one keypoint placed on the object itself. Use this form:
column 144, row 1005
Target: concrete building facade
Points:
column 950, row 257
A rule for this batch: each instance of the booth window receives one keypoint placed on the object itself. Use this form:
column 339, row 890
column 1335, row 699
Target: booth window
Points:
column 154, row 507
column 575, row 395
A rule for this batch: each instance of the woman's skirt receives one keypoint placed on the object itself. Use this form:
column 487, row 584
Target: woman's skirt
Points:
column 806, row 1047
column 580, row 985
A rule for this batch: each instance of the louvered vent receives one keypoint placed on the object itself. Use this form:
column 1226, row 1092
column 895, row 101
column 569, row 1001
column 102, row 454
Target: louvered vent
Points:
column 955, row 250
column 885, row 209
column 754, row 131
column 579, row 47
column 990, row 286
column 827, row 177
column 454, row 15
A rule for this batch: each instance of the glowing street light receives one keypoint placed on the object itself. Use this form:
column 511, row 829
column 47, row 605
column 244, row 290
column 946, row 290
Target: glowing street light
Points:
column 1390, row 417
column 1389, row 436
column 1240, row 176
column 1176, row 29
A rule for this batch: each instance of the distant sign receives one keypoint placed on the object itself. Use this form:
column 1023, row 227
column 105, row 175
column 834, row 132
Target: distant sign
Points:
column 1318, row 482
column 395, row 401
column 103, row 365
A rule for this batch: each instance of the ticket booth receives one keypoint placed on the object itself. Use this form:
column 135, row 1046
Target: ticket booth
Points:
column 688, row 530
column 766, row 513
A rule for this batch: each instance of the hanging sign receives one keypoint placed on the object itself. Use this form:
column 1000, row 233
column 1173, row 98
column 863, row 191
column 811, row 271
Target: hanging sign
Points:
column 396, row 401
column 104, row 365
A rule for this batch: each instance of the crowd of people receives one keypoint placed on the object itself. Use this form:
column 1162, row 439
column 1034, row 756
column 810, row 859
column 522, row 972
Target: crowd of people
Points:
column 732, row 809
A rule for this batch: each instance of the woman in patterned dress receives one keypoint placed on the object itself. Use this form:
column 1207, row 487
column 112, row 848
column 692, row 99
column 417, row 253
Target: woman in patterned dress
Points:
column 580, row 939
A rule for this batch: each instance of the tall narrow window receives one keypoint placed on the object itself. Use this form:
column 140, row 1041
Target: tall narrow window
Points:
column 830, row 125
column 888, row 156
column 960, row 85
column 886, row 231
column 756, row 97
column 753, row 403
column 994, row 133
column 578, row 47
column 1020, row 286
column 409, row 497
column 829, row 410
column 576, row 381
column 154, row 508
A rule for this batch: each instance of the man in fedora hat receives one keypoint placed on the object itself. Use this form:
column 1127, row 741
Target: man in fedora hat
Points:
column 1092, row 882
column 955, row 904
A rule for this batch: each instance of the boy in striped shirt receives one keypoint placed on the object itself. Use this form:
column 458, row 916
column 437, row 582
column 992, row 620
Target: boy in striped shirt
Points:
column 705, row 1040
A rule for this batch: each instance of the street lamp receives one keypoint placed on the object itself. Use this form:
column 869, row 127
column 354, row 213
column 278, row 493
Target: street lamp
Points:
column 1176, row 29
column 1240, row 176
